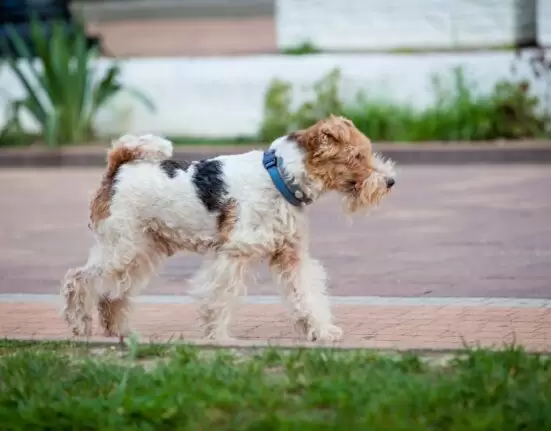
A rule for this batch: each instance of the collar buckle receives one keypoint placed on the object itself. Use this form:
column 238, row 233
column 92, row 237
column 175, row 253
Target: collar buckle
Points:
column 269, row 160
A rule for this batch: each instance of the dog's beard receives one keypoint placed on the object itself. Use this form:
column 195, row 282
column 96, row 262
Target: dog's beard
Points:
column 373, row 189
column 370, row 194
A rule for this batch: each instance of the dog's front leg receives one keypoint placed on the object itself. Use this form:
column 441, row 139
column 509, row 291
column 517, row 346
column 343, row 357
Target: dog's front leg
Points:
column 304, row 283
column 217, row 286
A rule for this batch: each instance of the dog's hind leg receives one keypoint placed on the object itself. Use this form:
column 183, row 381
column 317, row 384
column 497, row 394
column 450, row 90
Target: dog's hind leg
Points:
column 80, row 289
column 115, row 304
column 115, row 271
column 125, row 280
column 217, row 286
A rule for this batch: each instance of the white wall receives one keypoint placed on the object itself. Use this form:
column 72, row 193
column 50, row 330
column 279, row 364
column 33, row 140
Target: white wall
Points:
column 544, row 22
column 223, row 97
column 402, row 24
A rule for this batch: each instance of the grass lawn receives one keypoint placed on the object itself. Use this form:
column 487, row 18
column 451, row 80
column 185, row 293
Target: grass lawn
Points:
column 63, row 386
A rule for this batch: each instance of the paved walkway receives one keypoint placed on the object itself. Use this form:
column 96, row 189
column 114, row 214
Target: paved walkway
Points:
column 383, row 324
column 465, row 231
column 445, row 235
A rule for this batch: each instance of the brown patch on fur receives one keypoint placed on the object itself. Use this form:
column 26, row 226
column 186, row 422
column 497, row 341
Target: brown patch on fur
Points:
column 227, row 220
column 163, row 244
column 169, row 241
column 285, row 258
column 337, row 153
column 116, row 157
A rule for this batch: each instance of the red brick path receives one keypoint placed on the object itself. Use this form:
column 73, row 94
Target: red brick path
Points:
column 386, row 327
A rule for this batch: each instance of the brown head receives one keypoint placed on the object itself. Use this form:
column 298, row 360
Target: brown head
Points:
column 340, row 158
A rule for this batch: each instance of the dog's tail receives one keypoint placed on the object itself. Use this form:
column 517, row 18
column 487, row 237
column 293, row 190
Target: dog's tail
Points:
column 130, row 148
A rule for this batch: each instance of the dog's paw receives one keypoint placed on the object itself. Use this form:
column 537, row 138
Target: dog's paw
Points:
column 219, row 336
column 302, row 326
column 82, row 330
column 224, row 340
column 116, row 331
column 329, row 333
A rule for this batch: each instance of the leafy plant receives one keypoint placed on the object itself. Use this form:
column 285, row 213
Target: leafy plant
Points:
column 279, row 119
column 517, row 112
column 459, row 111
column 63, row 90
column 540, row 64
column 277, row 110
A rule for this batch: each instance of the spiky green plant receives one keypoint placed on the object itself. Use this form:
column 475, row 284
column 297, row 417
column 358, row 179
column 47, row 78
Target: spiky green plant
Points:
column 63, row 89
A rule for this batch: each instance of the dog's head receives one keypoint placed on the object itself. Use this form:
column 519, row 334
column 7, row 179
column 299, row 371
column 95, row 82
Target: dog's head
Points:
column 340, row 157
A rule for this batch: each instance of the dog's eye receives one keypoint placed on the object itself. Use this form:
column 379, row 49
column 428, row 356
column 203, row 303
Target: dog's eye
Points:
column 350, row 186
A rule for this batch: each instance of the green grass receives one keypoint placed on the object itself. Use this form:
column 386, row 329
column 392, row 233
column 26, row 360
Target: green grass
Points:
column 64, row 386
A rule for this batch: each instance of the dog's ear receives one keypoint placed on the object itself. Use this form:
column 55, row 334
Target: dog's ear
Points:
column 325, row 136
column 336, row 129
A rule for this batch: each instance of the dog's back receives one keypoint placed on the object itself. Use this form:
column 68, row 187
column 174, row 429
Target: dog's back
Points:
column 125, row 150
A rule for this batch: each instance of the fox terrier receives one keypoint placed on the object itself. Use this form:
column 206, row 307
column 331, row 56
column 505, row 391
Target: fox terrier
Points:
column 234, row 209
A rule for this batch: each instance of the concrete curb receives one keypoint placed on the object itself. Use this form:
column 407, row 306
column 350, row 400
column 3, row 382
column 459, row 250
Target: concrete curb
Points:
column 525, row 152
column 373, row 301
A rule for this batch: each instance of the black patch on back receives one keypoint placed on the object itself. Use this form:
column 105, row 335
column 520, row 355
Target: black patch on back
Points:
column 209, row 184
column 171, row 167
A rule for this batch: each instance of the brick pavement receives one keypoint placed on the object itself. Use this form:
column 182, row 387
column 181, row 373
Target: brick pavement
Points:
column 382, row 327
column 465, row 231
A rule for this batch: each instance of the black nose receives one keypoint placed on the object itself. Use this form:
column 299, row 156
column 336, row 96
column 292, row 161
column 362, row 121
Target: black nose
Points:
column 390, row 182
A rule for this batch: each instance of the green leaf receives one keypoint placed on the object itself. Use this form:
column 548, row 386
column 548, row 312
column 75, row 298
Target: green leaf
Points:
column 51, row 132
column 36, row 108
column 61, row 93
column 106, row 88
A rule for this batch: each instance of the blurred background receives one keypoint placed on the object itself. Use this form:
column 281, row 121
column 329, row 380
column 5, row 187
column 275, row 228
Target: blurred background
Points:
column 420, row 70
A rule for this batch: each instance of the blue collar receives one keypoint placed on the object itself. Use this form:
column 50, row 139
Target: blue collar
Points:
column 288, row 189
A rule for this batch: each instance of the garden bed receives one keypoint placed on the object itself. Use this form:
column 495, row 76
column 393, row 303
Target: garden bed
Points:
column 75, row 386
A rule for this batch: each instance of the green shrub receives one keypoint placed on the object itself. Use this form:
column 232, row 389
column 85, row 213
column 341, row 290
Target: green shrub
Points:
column 63, row 90
column 279, row 119
column 459, row 112
column 277, row 110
